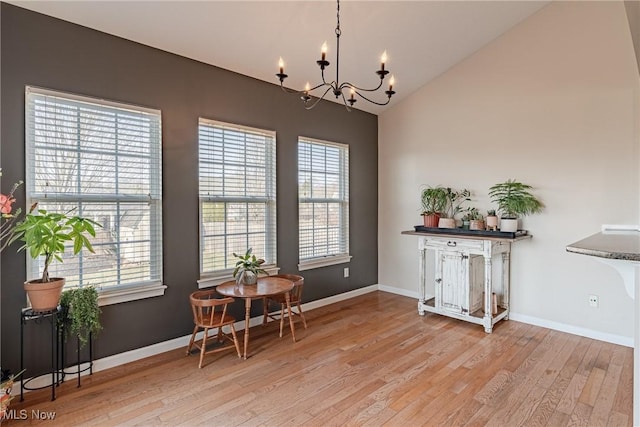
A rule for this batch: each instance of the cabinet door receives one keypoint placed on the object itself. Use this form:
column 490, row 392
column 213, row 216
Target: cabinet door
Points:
column 454, row 268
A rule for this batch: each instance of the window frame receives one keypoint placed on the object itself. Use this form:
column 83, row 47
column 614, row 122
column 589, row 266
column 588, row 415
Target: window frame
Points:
column 215, row 277
column 122, row 292
column 343, row 256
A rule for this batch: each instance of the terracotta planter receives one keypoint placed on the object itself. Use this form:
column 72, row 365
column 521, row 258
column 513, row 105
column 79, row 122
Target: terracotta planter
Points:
column 431, row 220
column 476, row 224
column 44, row 296
column 492, row 223
column 447, row 223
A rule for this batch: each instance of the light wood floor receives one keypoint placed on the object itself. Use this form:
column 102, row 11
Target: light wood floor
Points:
column 371, row 360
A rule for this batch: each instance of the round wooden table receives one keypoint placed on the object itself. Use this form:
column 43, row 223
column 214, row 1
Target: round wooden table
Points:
column 266, row 286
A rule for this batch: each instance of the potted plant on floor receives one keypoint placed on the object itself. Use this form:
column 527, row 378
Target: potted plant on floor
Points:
column 453, row 205
column 514, row 200
column 434, row 200
column 80, row 312
column 45, row 234
column 248, row 268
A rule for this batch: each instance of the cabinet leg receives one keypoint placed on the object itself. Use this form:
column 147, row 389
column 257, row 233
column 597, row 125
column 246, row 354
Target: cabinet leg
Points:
column 421, row 311
column 488, row 325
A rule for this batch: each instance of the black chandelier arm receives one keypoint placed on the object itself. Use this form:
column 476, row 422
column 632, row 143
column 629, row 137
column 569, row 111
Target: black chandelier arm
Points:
column 351, row 85
column 372, row 101
column 344, row 100
column 308, row 106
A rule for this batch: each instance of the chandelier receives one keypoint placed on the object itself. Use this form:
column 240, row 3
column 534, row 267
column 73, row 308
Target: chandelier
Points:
column 335, row 87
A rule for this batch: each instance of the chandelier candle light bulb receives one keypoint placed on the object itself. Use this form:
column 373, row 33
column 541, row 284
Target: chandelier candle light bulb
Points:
column 281, row 65
column 323, row 50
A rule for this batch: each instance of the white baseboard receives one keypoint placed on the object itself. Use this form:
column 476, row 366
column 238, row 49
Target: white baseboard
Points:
column 182, row 342
column 557, row 326
column 571, row 329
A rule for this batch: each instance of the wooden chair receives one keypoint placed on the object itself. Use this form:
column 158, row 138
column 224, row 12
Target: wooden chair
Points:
column 294, row 299
column 210, row 312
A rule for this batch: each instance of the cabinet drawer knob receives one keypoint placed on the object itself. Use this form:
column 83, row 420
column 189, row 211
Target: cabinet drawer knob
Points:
column 452, row 244
column 438, row 280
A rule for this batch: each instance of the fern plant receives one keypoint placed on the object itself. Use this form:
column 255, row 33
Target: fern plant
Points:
column 514, row 199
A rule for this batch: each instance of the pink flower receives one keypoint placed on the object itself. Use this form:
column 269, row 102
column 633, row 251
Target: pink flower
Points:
column 5, row 204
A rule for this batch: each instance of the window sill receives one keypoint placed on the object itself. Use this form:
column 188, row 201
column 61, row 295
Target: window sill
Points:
column 123, row 294
column 214, row 279
column 323, row 262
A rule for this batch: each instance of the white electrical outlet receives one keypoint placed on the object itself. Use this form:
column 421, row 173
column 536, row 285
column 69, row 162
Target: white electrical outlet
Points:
column 593, row 300
column 346, row 272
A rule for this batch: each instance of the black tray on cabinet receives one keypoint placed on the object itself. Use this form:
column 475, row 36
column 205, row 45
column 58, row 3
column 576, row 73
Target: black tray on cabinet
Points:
column 465, row 232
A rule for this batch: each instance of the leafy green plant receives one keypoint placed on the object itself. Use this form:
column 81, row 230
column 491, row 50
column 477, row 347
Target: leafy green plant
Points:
column 45, row 234
column 454, row 200
column 248, row 263
column 491, row 212
column 514, row 199
column 80, row 313
column 471, row 214
column 434, row 200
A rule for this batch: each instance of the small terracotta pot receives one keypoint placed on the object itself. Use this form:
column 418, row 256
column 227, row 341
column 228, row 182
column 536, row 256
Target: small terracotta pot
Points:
column 492, row 223
column 431, row 220
column 44, row 296
column 476, row 224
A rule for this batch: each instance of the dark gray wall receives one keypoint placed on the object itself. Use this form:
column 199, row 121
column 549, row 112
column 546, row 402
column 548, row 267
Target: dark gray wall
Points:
column 42, row 51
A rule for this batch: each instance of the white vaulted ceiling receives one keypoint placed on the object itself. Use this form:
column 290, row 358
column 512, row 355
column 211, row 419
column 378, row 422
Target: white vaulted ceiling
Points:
column 422, row 38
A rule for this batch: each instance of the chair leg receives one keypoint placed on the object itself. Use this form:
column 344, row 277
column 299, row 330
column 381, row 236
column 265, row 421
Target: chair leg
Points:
column 265, row 310
column 193, row 337
column 219, row 333
column 281, row 319
column 203, row 346
column 304, row 321
column 235, row 340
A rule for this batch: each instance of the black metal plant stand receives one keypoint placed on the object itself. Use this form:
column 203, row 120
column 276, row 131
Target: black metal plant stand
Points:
column 38, row 318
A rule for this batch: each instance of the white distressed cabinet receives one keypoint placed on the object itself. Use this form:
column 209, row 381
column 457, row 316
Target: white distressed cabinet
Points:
column 468, row 270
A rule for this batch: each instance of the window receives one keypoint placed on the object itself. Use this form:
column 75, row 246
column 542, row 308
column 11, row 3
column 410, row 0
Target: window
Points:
column 237, row 197
column 323, row 203
column 102, row 160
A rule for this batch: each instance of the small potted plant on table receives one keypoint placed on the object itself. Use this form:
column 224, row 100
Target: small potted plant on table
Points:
column 45, row 234
column 453, row 205
column 434, row 200
column 473, row 219
column 514, row 200
column 248, row 268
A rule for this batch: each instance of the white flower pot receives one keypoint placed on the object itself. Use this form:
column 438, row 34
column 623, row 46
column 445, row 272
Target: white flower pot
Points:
column 508, row 225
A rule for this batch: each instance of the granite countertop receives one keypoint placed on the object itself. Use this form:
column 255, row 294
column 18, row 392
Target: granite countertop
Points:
column 622, row 245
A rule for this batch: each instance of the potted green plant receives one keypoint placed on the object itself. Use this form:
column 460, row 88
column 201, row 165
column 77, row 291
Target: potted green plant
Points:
column 514, row 200
column 492, row 220
column 45, row 234
column 80, row 312
column 433, row 200
column 453, row 205
column 472, row 219
column 248, row 268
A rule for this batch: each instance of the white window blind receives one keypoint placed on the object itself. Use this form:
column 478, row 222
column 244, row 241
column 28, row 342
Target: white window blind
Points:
column 323, row 202
column 237, row 195
column 101, row 160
